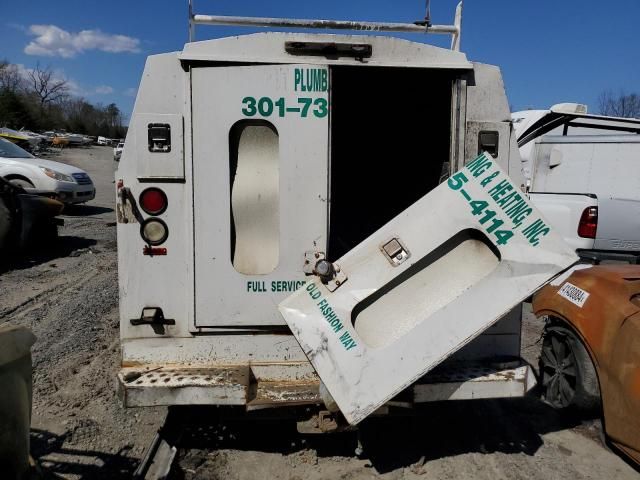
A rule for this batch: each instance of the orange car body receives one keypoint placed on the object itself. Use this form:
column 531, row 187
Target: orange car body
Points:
column 604, row 311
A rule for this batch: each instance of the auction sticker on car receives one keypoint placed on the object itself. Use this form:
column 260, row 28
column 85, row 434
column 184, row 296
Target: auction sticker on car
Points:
column 574, row 294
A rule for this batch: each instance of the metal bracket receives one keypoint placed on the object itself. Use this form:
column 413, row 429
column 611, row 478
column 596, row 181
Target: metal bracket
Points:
column 310, row 260
column 126, row 197
column 338, row 279
column 154, row 317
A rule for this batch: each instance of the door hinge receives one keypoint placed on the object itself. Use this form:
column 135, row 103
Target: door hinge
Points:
column 329, row 273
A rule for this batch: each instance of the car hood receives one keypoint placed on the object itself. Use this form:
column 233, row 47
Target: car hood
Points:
column 40, row 162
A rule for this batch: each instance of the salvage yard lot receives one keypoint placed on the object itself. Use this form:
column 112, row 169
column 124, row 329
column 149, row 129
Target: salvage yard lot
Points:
column 68, row 297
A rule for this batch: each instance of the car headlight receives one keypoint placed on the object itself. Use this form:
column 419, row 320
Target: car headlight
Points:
column 56, row 175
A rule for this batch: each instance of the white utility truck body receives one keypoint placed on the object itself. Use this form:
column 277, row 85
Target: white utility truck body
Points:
column 583, row 172
column 262, row 165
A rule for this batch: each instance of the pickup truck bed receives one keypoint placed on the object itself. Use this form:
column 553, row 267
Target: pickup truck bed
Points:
column 563, row 211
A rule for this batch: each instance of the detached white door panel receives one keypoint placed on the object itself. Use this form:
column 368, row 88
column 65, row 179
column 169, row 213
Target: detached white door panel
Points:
column 424, row 285
column 260, row 150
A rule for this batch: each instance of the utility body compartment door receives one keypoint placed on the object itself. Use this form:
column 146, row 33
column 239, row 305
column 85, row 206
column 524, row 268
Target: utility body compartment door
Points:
column 423, row 285
column 260, row 160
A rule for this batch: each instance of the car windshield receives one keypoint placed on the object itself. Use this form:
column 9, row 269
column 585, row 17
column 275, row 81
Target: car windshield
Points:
column 121, row 145
column 11, row 150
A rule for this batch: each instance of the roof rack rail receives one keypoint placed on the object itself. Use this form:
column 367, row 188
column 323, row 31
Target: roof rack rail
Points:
column 423, row 26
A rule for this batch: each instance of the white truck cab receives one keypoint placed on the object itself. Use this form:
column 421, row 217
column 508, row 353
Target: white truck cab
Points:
column 289, row 215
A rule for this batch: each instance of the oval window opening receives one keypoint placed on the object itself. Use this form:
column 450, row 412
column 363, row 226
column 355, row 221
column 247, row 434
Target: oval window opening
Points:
column 255, row 197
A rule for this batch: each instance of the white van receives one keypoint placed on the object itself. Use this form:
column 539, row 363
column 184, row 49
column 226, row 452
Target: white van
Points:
column 282, row 219
column 584, row 173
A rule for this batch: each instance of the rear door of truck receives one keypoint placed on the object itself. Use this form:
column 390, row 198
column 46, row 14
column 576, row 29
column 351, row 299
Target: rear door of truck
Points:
column 260, row 160
column 422, row 286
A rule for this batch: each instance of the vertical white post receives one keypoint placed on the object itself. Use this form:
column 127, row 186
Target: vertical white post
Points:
column 457, row 22
column 192, row 27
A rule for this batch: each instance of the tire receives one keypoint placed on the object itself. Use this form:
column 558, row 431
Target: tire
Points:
column 567, row 375
column 21, row 182
column 5, row 224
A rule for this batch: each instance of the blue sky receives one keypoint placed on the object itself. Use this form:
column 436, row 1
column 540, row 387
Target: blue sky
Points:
column 550, row 51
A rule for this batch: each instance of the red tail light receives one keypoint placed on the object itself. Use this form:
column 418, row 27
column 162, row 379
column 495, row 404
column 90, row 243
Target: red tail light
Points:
column 588, row 223
column 153, row 201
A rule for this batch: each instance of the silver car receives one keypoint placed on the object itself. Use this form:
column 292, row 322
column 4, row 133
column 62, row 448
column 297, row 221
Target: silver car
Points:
column 72, row 184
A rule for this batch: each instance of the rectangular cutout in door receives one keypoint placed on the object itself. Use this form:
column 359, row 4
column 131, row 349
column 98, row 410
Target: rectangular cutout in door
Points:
column 427, row 286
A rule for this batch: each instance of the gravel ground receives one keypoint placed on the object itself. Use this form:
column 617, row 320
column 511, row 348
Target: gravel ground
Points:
column 68, row 297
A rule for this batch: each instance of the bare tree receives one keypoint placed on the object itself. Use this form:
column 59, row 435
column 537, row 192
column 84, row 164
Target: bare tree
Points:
column 10, row 78
column 46, row 86
column 619, row 105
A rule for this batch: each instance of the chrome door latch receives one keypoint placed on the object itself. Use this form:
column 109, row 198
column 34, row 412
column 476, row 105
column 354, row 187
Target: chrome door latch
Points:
column 395, row 252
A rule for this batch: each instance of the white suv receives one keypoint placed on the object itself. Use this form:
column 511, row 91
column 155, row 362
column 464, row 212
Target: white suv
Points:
column 18, row 166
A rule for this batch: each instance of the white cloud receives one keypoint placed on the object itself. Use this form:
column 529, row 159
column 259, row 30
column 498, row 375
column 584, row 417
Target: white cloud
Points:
column 104, row 90
column 75, row 88
column 79, row 91
column 53, row 41
column 131, row 92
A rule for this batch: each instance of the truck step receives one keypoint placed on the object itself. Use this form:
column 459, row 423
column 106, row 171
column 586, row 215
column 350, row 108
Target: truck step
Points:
column 270, row 386
column 476, row 381
column 184, row 386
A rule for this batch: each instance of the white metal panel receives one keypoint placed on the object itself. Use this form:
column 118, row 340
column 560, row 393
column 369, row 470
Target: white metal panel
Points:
column 360, row 375
column 202, row 350
column 563, row 212
column 222, row 96
column 145, row 280
column 268, row 47
column 153, row 165
column 504, row 135
column 466, row 382
column 486, row 96
column 594, row 165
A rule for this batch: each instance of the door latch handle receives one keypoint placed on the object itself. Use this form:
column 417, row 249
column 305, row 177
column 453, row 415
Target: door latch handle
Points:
column 395, row 252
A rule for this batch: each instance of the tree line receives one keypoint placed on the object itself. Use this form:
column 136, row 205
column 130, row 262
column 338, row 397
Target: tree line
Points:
column 39, row 100
column 619, row 104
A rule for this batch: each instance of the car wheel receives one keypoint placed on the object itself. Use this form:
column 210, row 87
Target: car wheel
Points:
column 567, row 375
column 20, row 182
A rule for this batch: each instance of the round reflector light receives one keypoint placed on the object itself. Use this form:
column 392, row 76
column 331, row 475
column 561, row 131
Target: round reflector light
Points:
column 153, row 201
column 154, row 231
